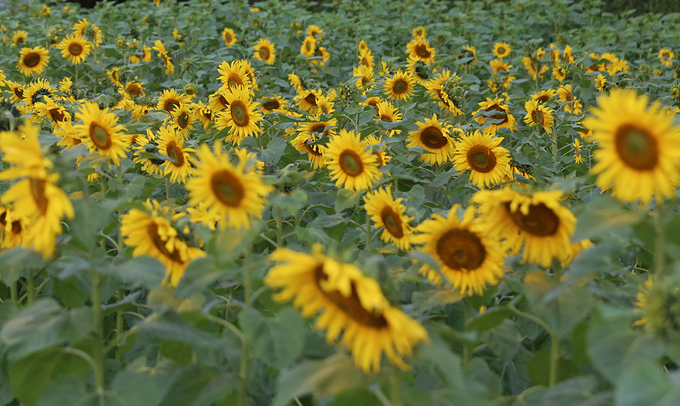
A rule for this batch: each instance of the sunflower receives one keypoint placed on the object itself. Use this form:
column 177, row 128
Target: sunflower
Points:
column 564, row 93
column 434, row 138
column 544, row 95
column 567, row 55
column 33, row 61
column 665, row 55
column 86, row 29
column 379, row 152
column 163, row 54
column 57, row 113
column 600, row 82
column 496, row 110
column 171, row 144
column 400, row 86
column 468, row 51
column 308, row 47
column 297, row 83
column 217, row 102
column 322, row 128
column 534, row 66
column 639, row 147
column 482, row 155
column 229, row 37
column 363, row 46
column 12, row 228
column 388, row 213
column 152, row 233
column 578, row 158
column 539, row 114
column 366, row 59
column 101, row 133
column 657, row 304
column 539, row 222
column 264, row 51
column 273, row 103
column 307, row 100
column 325, row 105
column 16, row 90
column 349, row 303
column 182, row 120
column 75, row 48
column 387, row 112
column 559, row 73
column 241, row 116
column 169, row 100
column 306, row 143
column 314, row 31
column 351, row 164
column 37, row 91
column 419, row 32
column 419, row 48
column 467, row 255
column 114, row 75
column 227, row 191
column 19, row 38
column 134, row 89
column 499, row 66
column 501, row 50
column 148, row 145
column 234, row 75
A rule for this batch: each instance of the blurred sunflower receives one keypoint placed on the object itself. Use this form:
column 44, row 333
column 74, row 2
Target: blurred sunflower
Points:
column 169, row 100
column 36, row 92
column 559, row 73
column 19, row 38
column 12, row 228
column 665, row 55
column 388, row 213
column 434, row 138
column 383, row 158
column 33, row 61
column 52, row 111
column 308, row 47
column 564, row 93
column 306, row 143
column 314, row 31
column 544, row 95
column 75, row 49
column 366, row 59
column 400, row 86
column 364, row 76
column 496, row 110
column 501, row 50
column 352, row 166
column 171, row 144
column 101, row 132
column 539, row 114
column 349, row 303
column 273, row 103
column 182, row 120
column 17, row 91
column 482, row 155
column 229, row 37
column 307, row 100
column 499, row 66
column 419, row 32
column 264, row 51
column 419, row 48
column 241, row 116
column 87, row 30
column 658, row 303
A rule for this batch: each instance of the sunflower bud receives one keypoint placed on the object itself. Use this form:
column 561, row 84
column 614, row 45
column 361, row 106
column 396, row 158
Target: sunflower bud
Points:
column 675, row 92
column 659, row 303
column 645, row 69
column 120, row 43
column 187, row 64
column 190, row 89
column 256, row 23
column 134, row 33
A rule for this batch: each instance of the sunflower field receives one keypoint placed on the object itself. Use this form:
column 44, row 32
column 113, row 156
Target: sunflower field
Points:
column 375, row 203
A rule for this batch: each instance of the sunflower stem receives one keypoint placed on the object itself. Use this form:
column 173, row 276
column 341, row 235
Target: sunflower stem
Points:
column 120, row 325
column 13, row 291
column 554, row 146
column 554, row 343
column 167, row 188
column 279, row 228
column 395, row 389
column 659, row 247
column 30, row 287
column 98, row 353
column 467, row 351
column 247, row 285
column 368, row 229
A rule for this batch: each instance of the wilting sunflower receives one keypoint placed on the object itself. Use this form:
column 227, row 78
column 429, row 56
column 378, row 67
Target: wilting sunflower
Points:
column 434, row 138
column 349, row 303
column 665, row 55
column 182, row 120
column 467, row 255
column 499, row 66
column 241, row 116
column 234, row 74
column 19, row 38
column 539, row 114
column 364, row 76
column 388, row 213
column 229, row 37
column 419, row 48
column 351, row 164
column 227, row 191
column 308, row 47
column 152, row 233
column 400, row 86
column 273, row 103
column 538, row 222
column 75, row 48
column 264, row 51
column 170, row 99
column 639, row 148
column 306, row 143
column 501, row 50
column 496, row 110
column 482, row 155
column 171, row 144
column 33, row 61
column 101, row 132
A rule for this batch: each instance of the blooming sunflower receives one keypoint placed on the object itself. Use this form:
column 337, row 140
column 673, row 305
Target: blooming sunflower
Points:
column 264, row 51
column 665, row 55
column 55, row 112
column 12, row 228
column 559, row 73
column 567, row 55
column 419, row 32
column 350, row 304
column 544, row 95
column 314, row 31
column 578, row 158
column 241, row 116
column 364, row 76
column 434, row 138
column 171, row 144
column 306, row 143
column 363, row 46
column 639, row 147
column 481, row 153
column 322, row 128
column 467, row 254
column 86, row 29
column 152, row 233
column 400, row 86
column 366, row 59
column 307, row 100
column 600, row 82
column 564, row 93
column 323, row 57
column 534, row 66
column 374, row 143
column 225, row 190
column 37, row 91
column 351, row 163
column 419, row 48
column 75, row 48
column 229, row 37
column 182, row 120
column 33, row 61
column 218, row 102
column 101, row 133
column 148, row 145
column 170, row 99
column 388, row 213
column 308, row 47
column 273, row 103
column 499, row 66
column 234, row 74
column 16, row 90
column 501, row 50
column 539, row 114
column 496, row 110
column 19, row 38
column 539, row 222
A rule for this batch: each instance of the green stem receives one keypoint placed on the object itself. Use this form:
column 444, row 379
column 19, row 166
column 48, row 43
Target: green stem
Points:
column 554, row 344
column 368, row 229
column 102, row 182
column 98, row 350
column 30, row 287
column 120, row 323
column 248, row 287
column 554, row 146
column 13, row 291
column 279, row 228
column 167, row 188
column 659, row 247
column 395, row 390
column 467, row 351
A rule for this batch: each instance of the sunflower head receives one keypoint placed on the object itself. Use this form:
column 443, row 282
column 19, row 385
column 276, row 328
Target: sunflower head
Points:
column 482, row 155
column 33, row 61
column 351, row 163
column 658, row 302
column 400, row 86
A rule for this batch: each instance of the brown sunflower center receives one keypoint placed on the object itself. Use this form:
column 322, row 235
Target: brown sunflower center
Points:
column 461, row 250
column 3, row 219
column 32, row 59
column 170, row 105
column 152, row 231
column 175, row 153
column 501, row 51
column 503, row 116
column 540, row 220
column 223, row 101
column 538, row 117
column 433, row 138
column 313, row 149
column 234, row 80
column 481, row 158
column 20, row 41
column 57, row 115
column 227, row 188
column 311, row 99
column 271, row 104
column 100, row 137
column 392, row 222
column 38, row 193
column 239, row 113
column 318, row 128
column 308, row 46
column 350, row 162
column 422, row 51
column 227, row 37
column 264, row 53
column 16, row 227
column 75, row 49
column 134, row 90
column 350, row 305
column 183, row 120
column 637, row 148
column 18, row 92
column 543, row 98
column 400, row 87
column 365, row 81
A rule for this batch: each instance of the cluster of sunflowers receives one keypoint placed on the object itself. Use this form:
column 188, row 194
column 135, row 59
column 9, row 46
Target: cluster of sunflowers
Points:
column 470, row 169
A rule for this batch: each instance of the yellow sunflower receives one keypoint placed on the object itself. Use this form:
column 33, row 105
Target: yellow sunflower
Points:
column 33, row 61
column 148, row 145
column 538, row 222
column 234, row 74
column 16, row 90
column 324, row 56
column 419, row 48
column 12, row 228
column 182, row 120
column 314, row 31
column 400, row 86
column 539, row 114
column 639, row 147
column 152, row 233
column 565, row 95
column 225, row 190
column 171, row 144
column 419, row 32
column 533, row 66
column 388, row 213
column 567, row 55
column 273, row 103
column 19, row 38
column 501, row 50
column 308, row 47
column 50, row 110
column 170, row 99
column 498, row 111
column 374, row 143
column 559, row 73
column 241, row 116
column 364, row 76
column 482, row 155
column 366, row 59
column 467, row 255
column 363, row 46
column 264, row 51
column 544, row 95
column 351, row 164
column 434, row 138
column 600, row 82
column 499, row 66
column 665, row 55
column 307, row 100
column 306, row 143
column 229, row 37
column 101, row 132
column 217, row 102
column 321, row 128
column 350, row 304
column 37, row 91
column 75, row 48
column 86, row 29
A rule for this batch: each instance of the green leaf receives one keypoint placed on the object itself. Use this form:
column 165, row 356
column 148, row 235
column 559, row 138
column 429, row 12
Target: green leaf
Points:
column 30, row 374
column 538, row 368
column 428, row 299
column 43, row 325
column 504, row 340
column 137, row 389
column 602, row 216
column 198, row 385
column 489, row 319
column 646, row 384
column 64, row 390
column 346, row 199
column 278, row 341
column 356, row 397
column 68, row 292
column 291, row 203
column 145, row 271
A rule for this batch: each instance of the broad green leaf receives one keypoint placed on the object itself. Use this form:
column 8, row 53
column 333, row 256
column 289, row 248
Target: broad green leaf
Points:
column 278, row 340
column 137, row 389
column 539, row 368
column 64, row 390
column 646, row 384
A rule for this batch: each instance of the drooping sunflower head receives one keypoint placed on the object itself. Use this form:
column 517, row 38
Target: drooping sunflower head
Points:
column 32, row 61
column 501, row 50
column 351, row 164
column 264, row 51
column 75, row 48
column 400, row 86
column 482, row 155
column 314, row 31
column 229, row 37
column 434, row 138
